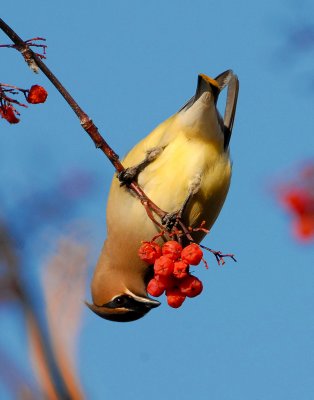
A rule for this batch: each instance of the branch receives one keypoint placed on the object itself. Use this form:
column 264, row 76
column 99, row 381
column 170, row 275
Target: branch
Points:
column 53, row 383
column 87, row 124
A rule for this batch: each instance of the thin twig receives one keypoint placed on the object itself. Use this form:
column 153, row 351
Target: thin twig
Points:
column 11, row 89
column 30, row 43
column 219, row 255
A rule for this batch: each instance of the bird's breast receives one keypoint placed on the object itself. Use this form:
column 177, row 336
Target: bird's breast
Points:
column 168, row 179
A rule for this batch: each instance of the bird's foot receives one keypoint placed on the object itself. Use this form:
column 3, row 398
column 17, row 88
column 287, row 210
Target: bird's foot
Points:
column 171, row 219
column 127, row 175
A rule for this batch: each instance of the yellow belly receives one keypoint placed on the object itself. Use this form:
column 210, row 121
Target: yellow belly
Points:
column 166, row 181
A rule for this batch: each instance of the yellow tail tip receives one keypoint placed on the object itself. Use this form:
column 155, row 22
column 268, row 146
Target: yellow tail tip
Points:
column 209, row 80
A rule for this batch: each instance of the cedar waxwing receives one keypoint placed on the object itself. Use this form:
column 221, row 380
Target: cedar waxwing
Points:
column 182, row 165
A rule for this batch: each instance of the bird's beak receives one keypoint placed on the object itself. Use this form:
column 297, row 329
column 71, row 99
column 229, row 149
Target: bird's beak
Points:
column 147, row 301
column 206, row 84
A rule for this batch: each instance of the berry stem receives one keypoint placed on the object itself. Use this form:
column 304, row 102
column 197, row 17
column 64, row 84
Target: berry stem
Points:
column 219, row 255
column 5, row 100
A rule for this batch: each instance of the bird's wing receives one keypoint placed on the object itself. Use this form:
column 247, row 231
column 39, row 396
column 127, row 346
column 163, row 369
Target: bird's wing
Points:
column 228, row 78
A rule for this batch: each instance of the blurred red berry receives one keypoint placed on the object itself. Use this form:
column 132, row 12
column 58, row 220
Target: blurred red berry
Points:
column 192, row 254
column 155, row 287
column 172, row 249
column 298, row 201
column 180, row 269
column 175, row 298
column 149, row 252
column 7, row 112
column 37, row 94
column 191, row 286
column 304, row 227
column 163, row 266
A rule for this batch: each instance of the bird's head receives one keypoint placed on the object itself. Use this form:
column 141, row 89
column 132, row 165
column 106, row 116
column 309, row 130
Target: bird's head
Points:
column 124, row 307
column 119, row 290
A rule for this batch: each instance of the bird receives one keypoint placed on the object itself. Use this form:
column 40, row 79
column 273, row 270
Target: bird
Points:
column 184, row 167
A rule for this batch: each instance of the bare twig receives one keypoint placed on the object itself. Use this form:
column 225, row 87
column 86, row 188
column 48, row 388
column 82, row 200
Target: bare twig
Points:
column 4, row 98
column 220, row 257
column 31, row 44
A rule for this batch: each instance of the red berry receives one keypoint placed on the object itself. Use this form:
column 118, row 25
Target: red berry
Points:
column 175, row 298
column 191, row 286
column 149, row 252
column 8, row 113
column 298, row 201
column 304, row 227
column 167, row 281
column 37, row 94
column 192, row 254
column 155, row 287
column 180, row 269
column 172, row 249
column 163, row 266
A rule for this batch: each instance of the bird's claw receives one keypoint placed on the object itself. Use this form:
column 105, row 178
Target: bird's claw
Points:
column 127, row 176
column 170, row 219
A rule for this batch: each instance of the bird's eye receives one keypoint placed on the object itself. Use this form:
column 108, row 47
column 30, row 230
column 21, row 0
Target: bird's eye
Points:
column 121, row 301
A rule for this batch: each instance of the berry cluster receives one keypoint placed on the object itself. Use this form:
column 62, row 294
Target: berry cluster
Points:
column 171, row 270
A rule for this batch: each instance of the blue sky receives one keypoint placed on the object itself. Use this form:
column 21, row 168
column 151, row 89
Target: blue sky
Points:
column 131, row 64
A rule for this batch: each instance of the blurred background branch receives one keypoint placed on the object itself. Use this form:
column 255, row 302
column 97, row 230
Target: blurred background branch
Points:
column 52, row 339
